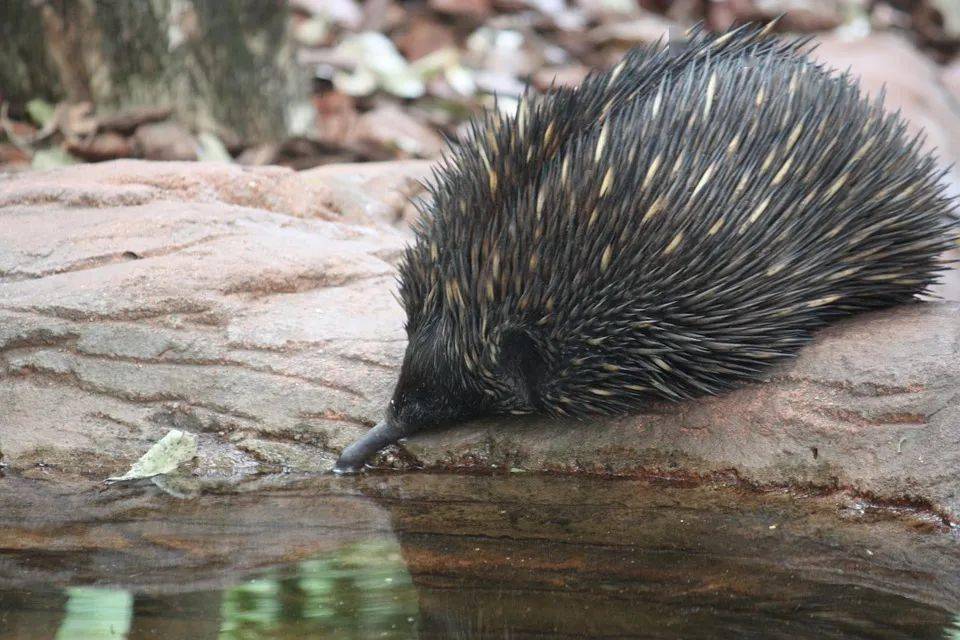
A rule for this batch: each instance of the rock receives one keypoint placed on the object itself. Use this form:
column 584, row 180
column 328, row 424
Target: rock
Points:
column 12, row 156
column 131, row 183
column 644, row 30
column 883, row 61
column 189, row 297
column 475, row 9
column 383, row 15
column 912, row 82
column 103, row 146
column 388, row 131
column 566, row 76
column 77, row 120
column 128, row 120
column 261, row 154
column 372, row 192
column 556, row 14
column 423, row 35
column 165, row 141
column 20, row 130
column 938, row 20
column 724, row 13
column 871, row 406
column 336, row 119
column 608, row 10
column 803, row 16
column 500, row 84
column 213, row 299
column 951, row 79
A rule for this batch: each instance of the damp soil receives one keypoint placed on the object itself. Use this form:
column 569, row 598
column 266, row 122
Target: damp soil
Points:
column 445, row 556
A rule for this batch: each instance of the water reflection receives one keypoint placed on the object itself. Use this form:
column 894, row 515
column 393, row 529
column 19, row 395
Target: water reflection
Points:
column 468, row 557
column 954, row 632
column 96, row 614
column 361, row 591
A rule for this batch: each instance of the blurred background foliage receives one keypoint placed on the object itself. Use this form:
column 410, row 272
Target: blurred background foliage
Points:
column 308, row 82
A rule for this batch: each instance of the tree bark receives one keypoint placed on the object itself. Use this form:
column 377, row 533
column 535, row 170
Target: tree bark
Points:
column 226, row 67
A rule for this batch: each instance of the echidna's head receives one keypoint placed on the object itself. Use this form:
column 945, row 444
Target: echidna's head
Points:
column 437, row 389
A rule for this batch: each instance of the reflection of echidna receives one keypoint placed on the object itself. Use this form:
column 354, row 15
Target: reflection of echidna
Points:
column 668, row 229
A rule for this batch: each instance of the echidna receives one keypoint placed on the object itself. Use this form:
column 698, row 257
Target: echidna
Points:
column 668, row 229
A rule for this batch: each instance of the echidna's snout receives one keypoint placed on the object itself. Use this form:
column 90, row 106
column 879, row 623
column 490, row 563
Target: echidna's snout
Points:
column 426, row 398
column 352, row 459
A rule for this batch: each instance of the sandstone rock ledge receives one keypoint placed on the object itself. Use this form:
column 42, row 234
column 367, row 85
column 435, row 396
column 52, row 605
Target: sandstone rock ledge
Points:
column 249, row 306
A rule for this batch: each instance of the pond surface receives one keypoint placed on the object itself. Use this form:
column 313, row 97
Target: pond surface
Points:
column 436, row 556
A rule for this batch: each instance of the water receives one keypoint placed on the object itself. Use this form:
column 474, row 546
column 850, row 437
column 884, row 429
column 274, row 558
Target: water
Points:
column 435, row 556
column 361, row 590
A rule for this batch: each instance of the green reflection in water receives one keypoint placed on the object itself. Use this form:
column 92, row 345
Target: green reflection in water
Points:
column 954, row 633
column 96, row 614
column 363, row 591
column 360, row 591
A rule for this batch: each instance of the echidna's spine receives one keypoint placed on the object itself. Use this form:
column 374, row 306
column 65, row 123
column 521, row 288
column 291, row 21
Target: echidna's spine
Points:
column 503, row 148
column 673, row 226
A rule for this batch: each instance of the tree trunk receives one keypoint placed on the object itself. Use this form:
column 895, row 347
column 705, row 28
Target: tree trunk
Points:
column 223, row 66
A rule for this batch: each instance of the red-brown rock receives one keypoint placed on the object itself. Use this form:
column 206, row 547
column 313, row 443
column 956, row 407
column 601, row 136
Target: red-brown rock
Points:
column 165, row 141
column 423, row 35
column 475, row 9
column 12, row 156
column 884, row 61
column 136, row 297
column 390, row 132
column 102, row 146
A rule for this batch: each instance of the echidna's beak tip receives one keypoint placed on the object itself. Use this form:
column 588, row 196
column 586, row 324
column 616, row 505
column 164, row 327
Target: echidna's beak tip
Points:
column 355, row 456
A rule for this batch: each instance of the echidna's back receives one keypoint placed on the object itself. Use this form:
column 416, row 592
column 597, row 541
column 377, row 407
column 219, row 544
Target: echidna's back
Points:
column 693, row 231
column 740, row 178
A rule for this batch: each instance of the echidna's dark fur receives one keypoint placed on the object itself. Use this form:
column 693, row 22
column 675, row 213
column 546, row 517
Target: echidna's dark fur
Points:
column 668, row 229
